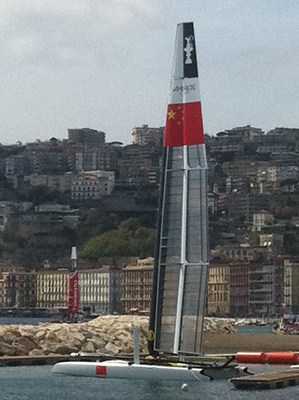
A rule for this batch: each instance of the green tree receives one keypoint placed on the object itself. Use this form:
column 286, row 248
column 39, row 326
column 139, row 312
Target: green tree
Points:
column 130, row 239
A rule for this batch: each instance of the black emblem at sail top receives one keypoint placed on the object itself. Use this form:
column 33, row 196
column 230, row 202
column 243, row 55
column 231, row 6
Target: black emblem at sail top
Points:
column 189, row 49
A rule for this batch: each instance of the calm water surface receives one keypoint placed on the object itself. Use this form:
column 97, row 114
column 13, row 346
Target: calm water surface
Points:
column 23, row 320
column 37, row 383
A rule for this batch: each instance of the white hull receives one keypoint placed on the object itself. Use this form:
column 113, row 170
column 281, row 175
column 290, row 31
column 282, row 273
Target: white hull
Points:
column 123, row 370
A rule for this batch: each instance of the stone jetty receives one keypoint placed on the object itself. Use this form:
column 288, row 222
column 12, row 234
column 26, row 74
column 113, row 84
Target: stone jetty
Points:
column 106, row 334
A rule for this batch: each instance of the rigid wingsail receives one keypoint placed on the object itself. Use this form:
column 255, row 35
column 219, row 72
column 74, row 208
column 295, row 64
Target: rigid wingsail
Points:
column 180, row 277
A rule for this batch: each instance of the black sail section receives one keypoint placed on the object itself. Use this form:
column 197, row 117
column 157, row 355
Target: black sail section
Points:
column 189, row 50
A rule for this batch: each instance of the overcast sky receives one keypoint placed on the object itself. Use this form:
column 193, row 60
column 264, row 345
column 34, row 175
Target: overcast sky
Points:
column 105, row 64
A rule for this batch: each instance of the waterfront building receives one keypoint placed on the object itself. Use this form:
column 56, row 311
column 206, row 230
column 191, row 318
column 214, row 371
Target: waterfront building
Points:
column 95, row 291
column 136, row 287
column 7, row 289
column 239, row 288
column 17, row 289
column 219, row 290
column 25, row 289
column 265, row 283
column 291, row 285
column 52, row 289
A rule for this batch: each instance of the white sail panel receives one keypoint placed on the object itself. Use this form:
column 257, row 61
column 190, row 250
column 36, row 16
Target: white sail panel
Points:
column 183, row 253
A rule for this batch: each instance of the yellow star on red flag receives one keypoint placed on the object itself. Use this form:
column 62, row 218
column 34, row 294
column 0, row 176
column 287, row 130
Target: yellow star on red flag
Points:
column 171, row 114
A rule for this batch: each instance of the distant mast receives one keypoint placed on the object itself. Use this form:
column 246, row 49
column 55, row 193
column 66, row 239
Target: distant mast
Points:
column 74, row 288
column 180, row 276
column 74, row 258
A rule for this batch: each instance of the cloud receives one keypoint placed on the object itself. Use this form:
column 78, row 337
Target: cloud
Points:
column 74, row 7
column 38, row 31
column 106, row 63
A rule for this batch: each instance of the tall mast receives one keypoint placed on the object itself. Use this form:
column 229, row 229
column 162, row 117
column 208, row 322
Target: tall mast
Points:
column 181, row 269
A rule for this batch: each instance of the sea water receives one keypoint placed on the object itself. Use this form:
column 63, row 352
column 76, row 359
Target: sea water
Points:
column 37, row 383
column 24, row 320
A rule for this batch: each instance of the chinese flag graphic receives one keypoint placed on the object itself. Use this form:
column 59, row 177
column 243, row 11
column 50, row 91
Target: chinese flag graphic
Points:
column 184, row 125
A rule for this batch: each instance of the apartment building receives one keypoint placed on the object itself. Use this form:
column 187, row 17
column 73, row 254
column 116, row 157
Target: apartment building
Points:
column 146, row 135
column 92, row 185
column 219, row 290
column 52, row 289
column 136, row 287
column 17, row 289
column 291, row 285
column 239, row 288
column 265, row 284
column 95, row 291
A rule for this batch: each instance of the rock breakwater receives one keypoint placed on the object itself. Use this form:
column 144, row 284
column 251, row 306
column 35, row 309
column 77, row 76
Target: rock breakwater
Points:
column 106, row 334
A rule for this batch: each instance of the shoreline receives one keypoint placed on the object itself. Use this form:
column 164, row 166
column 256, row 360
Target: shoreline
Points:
column 217, row 347
column 111, row 336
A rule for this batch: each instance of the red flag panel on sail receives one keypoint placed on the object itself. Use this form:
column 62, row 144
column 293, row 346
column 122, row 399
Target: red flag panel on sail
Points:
column 184, row 125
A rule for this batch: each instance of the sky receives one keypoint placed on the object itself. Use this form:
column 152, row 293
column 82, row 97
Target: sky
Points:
column 105, row 64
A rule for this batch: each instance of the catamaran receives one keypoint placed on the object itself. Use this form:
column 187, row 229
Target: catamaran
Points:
column 181, row 260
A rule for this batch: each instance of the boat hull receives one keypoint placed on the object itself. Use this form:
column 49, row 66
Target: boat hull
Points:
column 123, row 370
column 119, row 369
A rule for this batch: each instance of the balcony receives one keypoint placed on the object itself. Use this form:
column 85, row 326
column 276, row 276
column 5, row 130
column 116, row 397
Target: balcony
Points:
column 262, row 289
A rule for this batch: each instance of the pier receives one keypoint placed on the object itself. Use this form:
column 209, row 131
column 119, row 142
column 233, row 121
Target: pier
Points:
column 268, row 380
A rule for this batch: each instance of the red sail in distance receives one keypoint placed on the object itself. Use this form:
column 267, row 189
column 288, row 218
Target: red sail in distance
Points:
column 74, row 293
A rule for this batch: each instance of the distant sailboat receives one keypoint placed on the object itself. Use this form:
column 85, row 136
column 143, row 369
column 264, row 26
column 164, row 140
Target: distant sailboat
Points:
column 181, row 271
column 74, row 289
